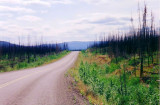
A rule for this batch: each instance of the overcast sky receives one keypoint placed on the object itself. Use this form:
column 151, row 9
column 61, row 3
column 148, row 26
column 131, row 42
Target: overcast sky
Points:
column 67, row 20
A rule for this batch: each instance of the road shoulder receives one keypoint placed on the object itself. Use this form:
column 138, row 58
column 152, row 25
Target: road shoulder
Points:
column 74, row 94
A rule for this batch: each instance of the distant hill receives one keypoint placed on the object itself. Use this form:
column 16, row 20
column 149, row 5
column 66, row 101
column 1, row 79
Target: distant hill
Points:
column 75, row 45
column 3, row 43
column 78, row 45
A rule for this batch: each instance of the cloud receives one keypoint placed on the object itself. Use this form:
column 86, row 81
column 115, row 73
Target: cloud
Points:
column 90, row 26
column 108, row 21
column 61, row 1
column 95, row 1
column 15, row 9
column 37, row 2
column 6, row 15
column 29, row 18
column 82, row 20
column 10, row 1
column 102, row 19
column 116, row 1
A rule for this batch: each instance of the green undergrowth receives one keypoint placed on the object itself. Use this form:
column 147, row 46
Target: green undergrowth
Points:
column 123, row 88
column 7, row 65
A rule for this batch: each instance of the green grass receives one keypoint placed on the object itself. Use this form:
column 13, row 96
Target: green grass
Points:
column 112, row 67
column 6, row 64
column 122, row 89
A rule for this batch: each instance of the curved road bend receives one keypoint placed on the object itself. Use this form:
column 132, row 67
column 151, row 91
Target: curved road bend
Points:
column 37, row 86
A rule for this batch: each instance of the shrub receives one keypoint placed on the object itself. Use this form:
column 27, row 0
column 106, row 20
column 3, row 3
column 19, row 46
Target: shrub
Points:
column 111, row 68
column 119, row 59
column 133, row 63
column 118, row 90
column 134, row 81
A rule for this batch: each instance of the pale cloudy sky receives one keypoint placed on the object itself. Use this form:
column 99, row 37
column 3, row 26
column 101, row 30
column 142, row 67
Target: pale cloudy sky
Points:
column 67, row 20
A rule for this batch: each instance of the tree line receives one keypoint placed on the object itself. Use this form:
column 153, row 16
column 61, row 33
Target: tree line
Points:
column 142, row 41
column 28, row 53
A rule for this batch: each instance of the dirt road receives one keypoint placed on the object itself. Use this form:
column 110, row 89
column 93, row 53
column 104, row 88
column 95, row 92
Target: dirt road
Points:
column 37, row 86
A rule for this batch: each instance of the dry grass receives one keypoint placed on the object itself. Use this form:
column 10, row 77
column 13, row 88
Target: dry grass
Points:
column 79, row 85
column 100, row 60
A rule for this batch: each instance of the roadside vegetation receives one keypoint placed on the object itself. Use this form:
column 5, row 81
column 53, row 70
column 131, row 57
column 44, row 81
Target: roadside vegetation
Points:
column 122, row 69
column 15, row 57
